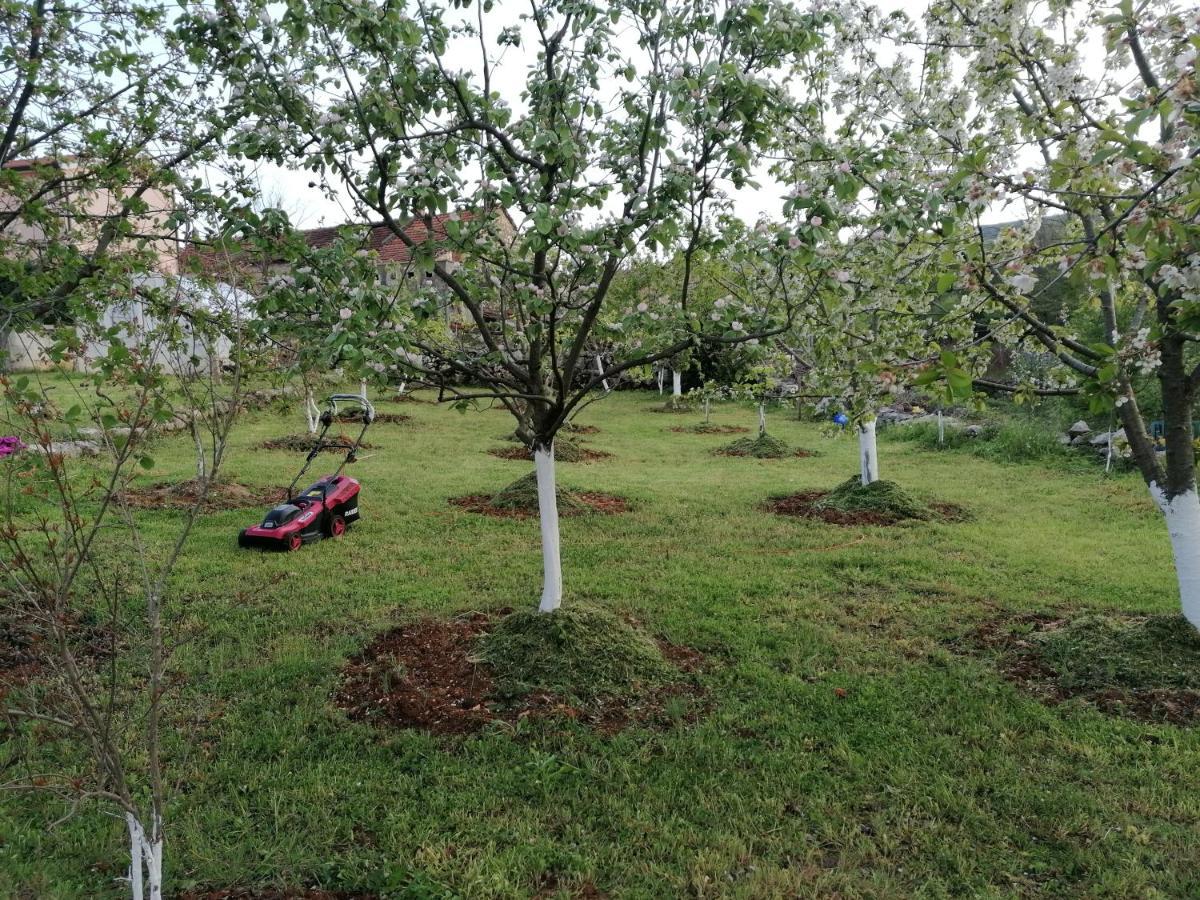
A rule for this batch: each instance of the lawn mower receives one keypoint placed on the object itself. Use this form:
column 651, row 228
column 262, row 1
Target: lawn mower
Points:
column 328, row 506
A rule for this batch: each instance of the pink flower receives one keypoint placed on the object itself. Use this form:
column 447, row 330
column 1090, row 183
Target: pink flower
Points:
column 815, row 221
column 345, row 312
column 642, row 307
column 844, row 168
column 793, row 242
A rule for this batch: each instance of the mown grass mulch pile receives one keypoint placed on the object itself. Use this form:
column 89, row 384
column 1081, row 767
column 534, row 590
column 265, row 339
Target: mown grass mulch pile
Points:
column 709, row 428
column 222, row 495
column 1145, row 668
column 519, row 501
column 580, row 663
column 674, row 405
column 764, row 446
column 853, row 503
column 564, row 451
column 304, row 443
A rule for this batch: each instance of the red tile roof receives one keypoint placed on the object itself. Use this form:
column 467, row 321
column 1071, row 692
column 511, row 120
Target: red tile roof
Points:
column 381, row 239
column 386, row 243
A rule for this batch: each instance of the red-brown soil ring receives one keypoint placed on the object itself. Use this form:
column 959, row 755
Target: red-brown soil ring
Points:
column 303, row 443
column 581, row 429
column 521, row 453
column 24, row 655
column 427, row 675
column 1018, row 662
column 605, row 504
column 381, row 418
column 710, row 429
column 223, row 495
column 804, row 505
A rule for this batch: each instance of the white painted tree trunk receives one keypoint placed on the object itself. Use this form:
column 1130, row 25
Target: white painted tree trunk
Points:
column 600, row 372
column 676, row 383
column 762, row 419
column 312, row 412
column 403, row 387
column 941, row 428
column 660, row 382
column 136, row 888
column 145, row 860
column 868, row 455
column 362, row 388
column 1182, row 513
column 707, row 409
column 543, row 462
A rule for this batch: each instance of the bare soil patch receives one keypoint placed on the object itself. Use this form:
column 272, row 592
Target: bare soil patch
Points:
column 223, row 495
column 587, row 502
column 429, row 675
column 1058, row 658
column 580, row 429
column 303, row 443
column 579, row 454
column 807, row 505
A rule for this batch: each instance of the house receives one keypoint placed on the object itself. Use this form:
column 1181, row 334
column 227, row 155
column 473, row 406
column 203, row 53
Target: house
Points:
column 81, row 206
column 54, row 203
column 394, row 255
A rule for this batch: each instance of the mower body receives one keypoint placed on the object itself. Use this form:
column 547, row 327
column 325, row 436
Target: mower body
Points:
column 324, row 510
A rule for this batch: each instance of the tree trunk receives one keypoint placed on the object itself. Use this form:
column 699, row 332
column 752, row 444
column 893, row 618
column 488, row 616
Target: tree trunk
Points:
column 201, row 469
column 145, row 860
column 312, row 413
column 941, row 428
column 707, row 408
column 660, row 382
column 676, row 383
column 136, row 890
column 762, row 419
column 868, row 455
column 1182, row 513
column 600, row 372
column 362, row 389
column 543, row 462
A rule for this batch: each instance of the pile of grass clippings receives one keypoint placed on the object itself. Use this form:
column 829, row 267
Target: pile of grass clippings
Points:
column 304, row 443
column 567, row 451
column 674, row 405
column 709, row 428
column 523, row 494
column 1145, row 668
column 885, row 498
column 764, row 446
column 578, row 652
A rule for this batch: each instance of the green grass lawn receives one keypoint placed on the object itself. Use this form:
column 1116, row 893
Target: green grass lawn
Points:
column 848, row 751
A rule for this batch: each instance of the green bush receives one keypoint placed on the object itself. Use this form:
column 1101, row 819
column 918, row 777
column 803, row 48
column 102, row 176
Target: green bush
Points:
column 1015, row 441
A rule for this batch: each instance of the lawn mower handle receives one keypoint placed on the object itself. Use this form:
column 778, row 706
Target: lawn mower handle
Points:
column 327, row 418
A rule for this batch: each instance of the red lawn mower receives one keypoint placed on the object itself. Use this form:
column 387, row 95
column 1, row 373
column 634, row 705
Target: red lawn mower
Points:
column 328, row 506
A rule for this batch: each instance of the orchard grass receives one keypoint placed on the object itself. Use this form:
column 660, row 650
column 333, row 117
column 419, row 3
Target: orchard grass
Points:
column 849, row 746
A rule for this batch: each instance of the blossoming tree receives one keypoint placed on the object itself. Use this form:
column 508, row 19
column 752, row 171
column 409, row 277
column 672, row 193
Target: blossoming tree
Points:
column 1083, row 114
column 574, row 134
